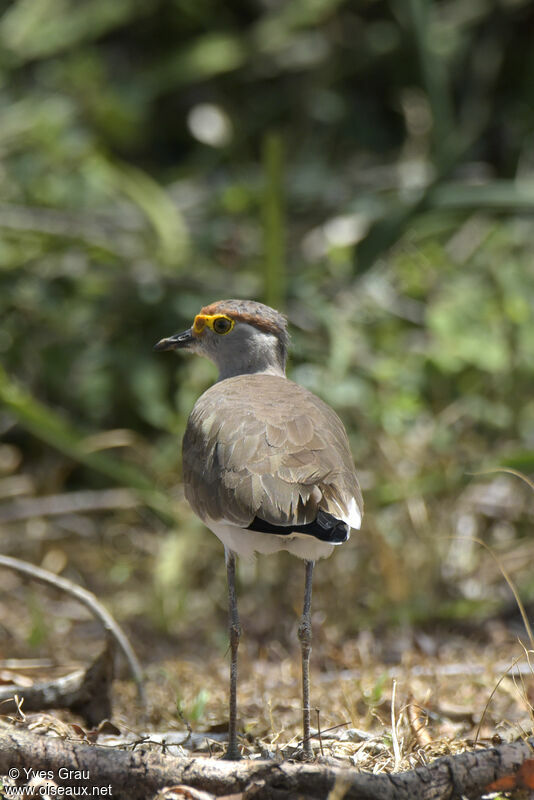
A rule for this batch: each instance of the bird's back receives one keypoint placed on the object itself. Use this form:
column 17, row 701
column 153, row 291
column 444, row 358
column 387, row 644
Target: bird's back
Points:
column 262, row 446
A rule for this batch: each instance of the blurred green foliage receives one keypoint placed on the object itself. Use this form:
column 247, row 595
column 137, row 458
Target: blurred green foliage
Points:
column 366, row 167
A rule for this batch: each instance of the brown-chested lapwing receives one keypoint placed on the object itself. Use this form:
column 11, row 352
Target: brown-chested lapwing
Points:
column 266, row 463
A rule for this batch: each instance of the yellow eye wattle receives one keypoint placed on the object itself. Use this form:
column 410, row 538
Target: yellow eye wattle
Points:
column 218, row 323
column 199, row 324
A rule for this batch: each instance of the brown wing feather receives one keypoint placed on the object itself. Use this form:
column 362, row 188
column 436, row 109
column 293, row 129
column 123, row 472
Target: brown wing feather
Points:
column 247, row 453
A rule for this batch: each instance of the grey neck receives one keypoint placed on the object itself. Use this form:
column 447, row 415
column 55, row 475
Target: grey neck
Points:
column 251, row 369
column 258, row 354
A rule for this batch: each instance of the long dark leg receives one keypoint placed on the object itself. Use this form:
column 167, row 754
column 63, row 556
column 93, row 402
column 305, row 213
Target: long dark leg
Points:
column 234, row 629
column 305, row 638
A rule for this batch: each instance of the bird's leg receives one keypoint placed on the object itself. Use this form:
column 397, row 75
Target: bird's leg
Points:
column 305, row 638
column 234, row 629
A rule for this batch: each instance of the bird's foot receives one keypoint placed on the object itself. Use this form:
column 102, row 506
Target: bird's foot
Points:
column 232, row 754
column 304, row 754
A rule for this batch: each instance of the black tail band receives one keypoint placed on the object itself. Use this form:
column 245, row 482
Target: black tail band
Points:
column 324, row 527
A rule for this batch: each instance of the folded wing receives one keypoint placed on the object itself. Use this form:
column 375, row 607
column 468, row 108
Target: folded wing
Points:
column 248, row 454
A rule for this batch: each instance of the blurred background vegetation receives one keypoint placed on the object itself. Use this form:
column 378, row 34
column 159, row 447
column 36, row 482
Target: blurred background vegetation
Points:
column 366, row 167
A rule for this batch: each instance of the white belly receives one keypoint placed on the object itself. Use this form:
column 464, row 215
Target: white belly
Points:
column 246, row 543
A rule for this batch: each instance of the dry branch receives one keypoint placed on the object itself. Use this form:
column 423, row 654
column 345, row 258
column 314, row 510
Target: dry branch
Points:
column 86, row 692
column 87, row 599
column 68, row 503
column 139, row 774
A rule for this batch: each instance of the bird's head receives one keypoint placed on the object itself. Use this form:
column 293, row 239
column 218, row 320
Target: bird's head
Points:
column 240, row 336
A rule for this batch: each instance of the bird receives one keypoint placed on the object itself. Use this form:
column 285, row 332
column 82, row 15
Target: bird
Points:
column 266, row 463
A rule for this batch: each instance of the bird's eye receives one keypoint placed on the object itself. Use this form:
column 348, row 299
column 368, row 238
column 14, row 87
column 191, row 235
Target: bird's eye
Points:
column 222, row 325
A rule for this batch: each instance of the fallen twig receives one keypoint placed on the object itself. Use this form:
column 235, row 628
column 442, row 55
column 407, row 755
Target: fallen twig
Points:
column 68, row 503
column 85, row 691
column 89, row 601
column 139, row 774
